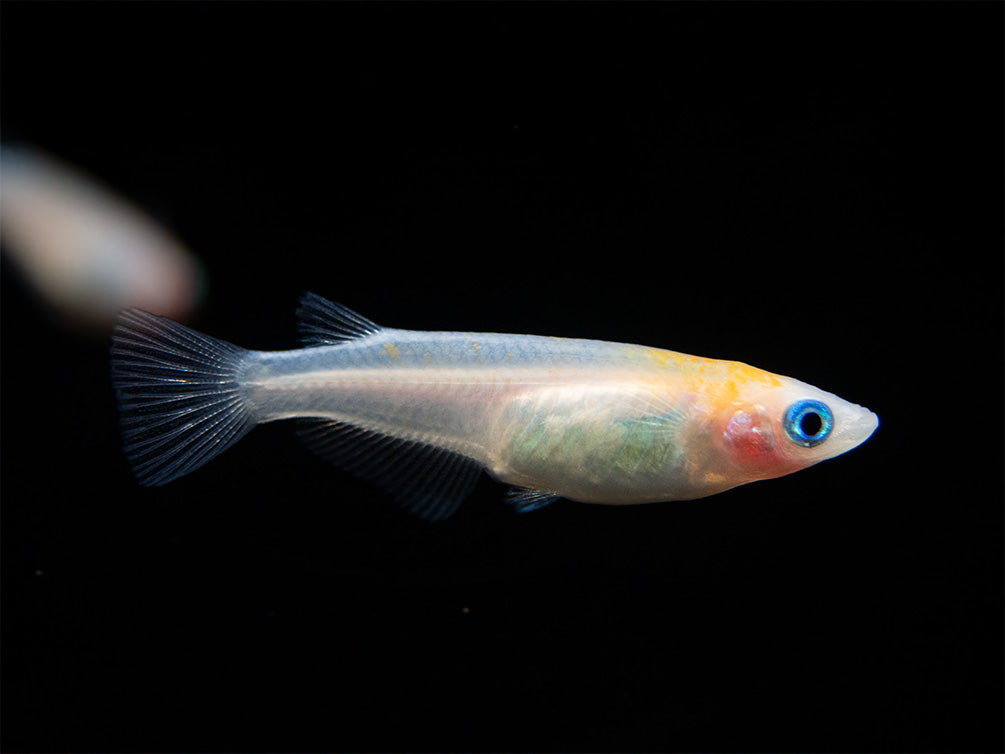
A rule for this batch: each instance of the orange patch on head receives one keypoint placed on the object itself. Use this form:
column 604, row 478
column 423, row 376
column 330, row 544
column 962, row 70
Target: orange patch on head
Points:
column 670, row 359
column 745, row 373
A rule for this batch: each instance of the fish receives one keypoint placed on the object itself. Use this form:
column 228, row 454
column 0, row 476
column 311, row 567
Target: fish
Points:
column 87, row 251
column 423, row 413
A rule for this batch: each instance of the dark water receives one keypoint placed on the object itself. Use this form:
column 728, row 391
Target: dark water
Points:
column 815, row 189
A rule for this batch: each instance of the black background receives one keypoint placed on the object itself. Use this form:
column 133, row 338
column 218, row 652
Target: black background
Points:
column 815, row 189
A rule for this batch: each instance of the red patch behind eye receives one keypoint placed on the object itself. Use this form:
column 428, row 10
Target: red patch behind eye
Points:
column 750, row 435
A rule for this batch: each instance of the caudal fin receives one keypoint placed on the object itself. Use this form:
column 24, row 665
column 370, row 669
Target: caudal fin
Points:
column 179, row 399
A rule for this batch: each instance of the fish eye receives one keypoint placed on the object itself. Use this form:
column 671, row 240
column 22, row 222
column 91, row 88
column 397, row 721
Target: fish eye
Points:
column 808, row 423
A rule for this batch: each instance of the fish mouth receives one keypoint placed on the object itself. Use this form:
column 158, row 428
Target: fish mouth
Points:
column 863, row 429
column 868, row 422
column 855, row 428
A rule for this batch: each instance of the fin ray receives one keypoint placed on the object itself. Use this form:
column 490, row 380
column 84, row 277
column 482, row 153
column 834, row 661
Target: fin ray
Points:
column 429, row 481
column 321, row 322
column 178, row 394
column 525, row 499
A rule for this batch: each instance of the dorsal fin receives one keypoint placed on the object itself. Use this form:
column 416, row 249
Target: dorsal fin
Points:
column 430, row 481
column 321, row 322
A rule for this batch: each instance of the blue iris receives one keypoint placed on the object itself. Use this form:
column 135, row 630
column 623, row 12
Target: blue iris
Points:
column 808, row 423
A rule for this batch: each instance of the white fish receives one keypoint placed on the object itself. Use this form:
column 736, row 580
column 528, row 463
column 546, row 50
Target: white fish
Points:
column 87, row 251
column 422, row 413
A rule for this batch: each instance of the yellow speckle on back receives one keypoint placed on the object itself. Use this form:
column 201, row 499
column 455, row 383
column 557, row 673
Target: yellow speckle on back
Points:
column 745, row 373
column 729, row 371
column 738, row 375
column 392, row 350
column 724, row 382
column 670, row 359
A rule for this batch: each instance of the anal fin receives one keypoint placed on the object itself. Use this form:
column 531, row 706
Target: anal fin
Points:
column 428, row 480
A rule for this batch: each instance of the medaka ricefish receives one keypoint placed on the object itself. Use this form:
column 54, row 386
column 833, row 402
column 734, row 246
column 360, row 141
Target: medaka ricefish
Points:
column 422, row 413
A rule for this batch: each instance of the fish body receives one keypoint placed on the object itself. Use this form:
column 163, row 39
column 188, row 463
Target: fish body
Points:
column 423, row 412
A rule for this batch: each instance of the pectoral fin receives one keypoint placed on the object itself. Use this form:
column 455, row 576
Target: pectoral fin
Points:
column 524, row 499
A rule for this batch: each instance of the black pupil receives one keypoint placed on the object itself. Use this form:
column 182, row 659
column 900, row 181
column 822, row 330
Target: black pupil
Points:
column 811, row 424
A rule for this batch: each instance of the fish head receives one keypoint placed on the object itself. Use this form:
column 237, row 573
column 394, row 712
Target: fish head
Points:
column 776, row 426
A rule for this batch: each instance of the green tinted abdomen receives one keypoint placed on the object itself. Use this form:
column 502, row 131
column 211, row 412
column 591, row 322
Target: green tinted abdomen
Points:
column 648, row 445
column 598, row 458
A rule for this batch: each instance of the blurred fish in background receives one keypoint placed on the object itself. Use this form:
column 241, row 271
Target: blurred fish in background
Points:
column 86, row 251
